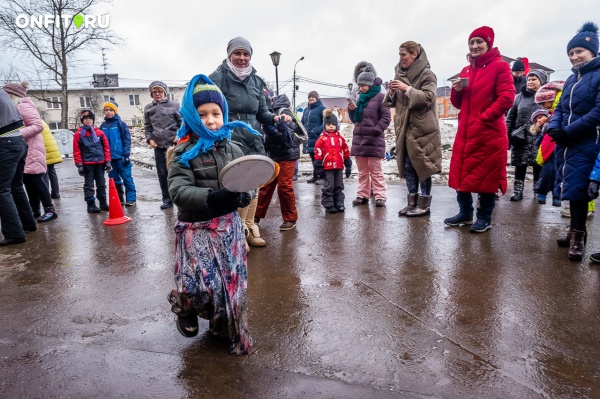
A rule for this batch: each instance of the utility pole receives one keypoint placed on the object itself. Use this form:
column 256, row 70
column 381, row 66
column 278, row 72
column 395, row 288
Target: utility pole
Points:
column 295, row 88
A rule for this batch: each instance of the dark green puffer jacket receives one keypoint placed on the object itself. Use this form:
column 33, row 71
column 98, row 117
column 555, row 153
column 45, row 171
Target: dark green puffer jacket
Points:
column 246, row 102
column 189, row 186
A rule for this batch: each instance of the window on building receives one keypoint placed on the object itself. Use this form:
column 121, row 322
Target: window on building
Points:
column 109, row 98
column 53, row 103
column 85, row 102
column 171, row 97
column 134, row 99
column 54, row 125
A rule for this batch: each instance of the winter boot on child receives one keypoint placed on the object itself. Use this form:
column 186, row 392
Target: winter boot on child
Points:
column 91, row 206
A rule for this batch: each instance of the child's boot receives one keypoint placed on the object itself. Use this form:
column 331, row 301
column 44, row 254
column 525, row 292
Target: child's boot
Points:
column 49, row 214
column 121, row 193
column 555, row 201
column 103, row 203
column 91, row 206
column 541, row 198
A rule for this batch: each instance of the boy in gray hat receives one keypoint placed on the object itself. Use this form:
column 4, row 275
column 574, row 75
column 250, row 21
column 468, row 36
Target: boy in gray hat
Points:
column 161, row 122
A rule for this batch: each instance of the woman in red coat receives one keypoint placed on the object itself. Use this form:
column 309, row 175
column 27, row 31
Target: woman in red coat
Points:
column 484, row 93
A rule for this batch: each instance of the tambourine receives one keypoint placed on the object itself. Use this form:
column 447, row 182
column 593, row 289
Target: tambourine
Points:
column 247, row 173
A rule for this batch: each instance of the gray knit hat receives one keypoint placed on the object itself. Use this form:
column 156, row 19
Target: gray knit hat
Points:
column 158, row 83
column 541, row 75
column 367, row 77
column 361, row 67
column 237, row 44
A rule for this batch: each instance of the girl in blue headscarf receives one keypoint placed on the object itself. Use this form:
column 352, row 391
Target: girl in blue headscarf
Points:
column 211, row 267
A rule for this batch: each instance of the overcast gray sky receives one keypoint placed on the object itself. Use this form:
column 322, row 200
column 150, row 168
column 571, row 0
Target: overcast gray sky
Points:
column 176, row 39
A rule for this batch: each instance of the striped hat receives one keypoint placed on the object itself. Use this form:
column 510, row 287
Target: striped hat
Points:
column 204, row 93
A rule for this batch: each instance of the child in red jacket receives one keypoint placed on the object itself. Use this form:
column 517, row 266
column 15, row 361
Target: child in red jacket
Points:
column 332, row 155
column 91, row 153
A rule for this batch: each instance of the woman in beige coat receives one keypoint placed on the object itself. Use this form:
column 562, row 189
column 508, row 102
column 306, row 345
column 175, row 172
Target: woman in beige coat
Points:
column 418, row 143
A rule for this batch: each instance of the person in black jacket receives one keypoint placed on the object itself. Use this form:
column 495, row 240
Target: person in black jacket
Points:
column 243, row 89
column 518, row 120
column 312, row 119
column 283, row 146
column 16, row 216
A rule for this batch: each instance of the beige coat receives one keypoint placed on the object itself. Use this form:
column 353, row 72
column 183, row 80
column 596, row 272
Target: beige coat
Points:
column 416, row 121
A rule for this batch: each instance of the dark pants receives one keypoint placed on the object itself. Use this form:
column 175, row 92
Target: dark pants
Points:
column 160, row 157
column 51, row 179
column 94, row 173
column 317, row 173
column 579, row 210
column 412, row 178
column 285, row 191
column 521, row 171
column 487, row 201
column 15, row 212
column 333, row 189
column 37, row 191
column 122, row 176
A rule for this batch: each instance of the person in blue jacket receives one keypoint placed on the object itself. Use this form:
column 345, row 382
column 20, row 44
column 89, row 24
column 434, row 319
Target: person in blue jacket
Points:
column 575, row 127
column 312, row 119
column 119, row 139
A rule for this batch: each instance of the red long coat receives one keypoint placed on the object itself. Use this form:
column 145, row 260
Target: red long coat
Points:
column 479, row 153
column 332, row 149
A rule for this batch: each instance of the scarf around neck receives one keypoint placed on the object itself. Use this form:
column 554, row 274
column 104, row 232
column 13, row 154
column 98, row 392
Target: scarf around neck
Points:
column 192, row 124
column 241, row 74
column 363, row 100
column 92, row 131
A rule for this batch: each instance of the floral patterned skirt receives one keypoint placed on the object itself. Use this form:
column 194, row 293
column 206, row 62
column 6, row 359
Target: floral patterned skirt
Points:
column 211, row 275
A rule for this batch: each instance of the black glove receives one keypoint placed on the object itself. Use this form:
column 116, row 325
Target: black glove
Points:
column 558, row 136
column 107, row 167
column 223, row 201
column 593, row 189
column 348, row 165
column 245, row 199
column 126, row 161
column 319, row 163
column 80, row 170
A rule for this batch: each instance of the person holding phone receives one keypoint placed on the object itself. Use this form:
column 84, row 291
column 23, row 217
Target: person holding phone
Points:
column 418, row 142
column 371, row 119
column 479, row 155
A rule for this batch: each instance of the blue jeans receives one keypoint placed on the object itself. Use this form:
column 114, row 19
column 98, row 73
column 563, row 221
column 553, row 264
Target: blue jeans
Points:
column 122, row 175
column 15, row 212
column 487, row 202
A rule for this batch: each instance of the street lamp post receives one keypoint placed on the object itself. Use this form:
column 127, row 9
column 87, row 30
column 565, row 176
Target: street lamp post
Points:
column 294, row 88
column 275, row 59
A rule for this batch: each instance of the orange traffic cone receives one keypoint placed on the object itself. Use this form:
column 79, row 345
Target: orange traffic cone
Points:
column 115, row 211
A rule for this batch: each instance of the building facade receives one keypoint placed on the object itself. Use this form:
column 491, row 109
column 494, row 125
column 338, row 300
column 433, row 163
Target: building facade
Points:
column 131, row 102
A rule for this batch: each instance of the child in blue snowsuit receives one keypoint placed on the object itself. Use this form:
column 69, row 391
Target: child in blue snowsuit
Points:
column 119, row 140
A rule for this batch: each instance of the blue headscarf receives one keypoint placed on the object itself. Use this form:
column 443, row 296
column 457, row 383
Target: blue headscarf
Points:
column 192, row 123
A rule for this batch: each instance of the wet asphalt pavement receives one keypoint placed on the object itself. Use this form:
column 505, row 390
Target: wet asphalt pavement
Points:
column 356, row 305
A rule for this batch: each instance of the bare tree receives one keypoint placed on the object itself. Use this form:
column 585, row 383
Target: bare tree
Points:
column 54, row 47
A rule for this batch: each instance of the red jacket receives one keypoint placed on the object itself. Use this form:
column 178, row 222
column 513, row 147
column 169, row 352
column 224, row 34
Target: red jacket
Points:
column 332, row 149
column 90, row 152
column 479, row 153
